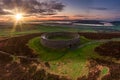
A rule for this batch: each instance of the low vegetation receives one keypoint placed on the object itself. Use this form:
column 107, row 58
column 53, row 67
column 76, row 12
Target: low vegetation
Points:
column 111, row 49
column 69, row 62
column 82, row 63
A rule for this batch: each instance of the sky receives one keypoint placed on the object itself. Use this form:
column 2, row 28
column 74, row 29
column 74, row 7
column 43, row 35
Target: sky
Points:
column 93, row 9
column 61, row 9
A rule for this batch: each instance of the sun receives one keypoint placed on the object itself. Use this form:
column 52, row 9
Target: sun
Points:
column 19, row 16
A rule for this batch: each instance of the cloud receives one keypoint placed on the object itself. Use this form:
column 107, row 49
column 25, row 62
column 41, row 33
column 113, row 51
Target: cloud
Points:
column 46, row 7
column 98, row 8
column 60, row 16
column 79, row 15
column 2, row 12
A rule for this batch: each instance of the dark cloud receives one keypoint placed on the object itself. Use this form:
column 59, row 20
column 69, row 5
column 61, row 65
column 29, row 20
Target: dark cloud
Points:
column 79, row 15
column 60, row 16
column 45, row 7
column 98, row 8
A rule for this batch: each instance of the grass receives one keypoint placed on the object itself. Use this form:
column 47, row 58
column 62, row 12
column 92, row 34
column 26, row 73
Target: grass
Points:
column 45, row 53
column 27, row 29
column 60, row 38
column 84, row 40
column 68, row 62
column 36, row 29
column 104, row 71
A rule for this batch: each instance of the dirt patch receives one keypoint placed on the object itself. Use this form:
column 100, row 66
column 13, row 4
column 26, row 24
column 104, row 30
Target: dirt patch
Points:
column 94, row 73
column 17, row 45
column 2, row 38
column 114, row 69
column 111, row 49
column 30, row 70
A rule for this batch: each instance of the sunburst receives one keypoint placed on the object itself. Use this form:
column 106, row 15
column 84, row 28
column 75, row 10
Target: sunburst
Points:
column 18, row 21
column 18, row 16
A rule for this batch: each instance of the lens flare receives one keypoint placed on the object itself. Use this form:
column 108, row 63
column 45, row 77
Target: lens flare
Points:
column 18, row 16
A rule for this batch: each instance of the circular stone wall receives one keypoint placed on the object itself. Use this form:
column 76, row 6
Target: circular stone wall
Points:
column 67, row 40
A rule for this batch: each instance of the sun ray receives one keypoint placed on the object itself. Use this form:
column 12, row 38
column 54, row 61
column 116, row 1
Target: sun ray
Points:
column 18, row 21
column 19, row 16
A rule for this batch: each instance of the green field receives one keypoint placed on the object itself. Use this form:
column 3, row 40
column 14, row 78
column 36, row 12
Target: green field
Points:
column 27, row 29
column 34, row 29
column 60, row 38
column 68, row 62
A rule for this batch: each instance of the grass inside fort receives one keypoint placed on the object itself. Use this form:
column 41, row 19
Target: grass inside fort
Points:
column 68, row 62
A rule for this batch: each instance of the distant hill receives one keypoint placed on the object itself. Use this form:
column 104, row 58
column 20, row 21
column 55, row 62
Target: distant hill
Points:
column 89, row 22
column 115, row 23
